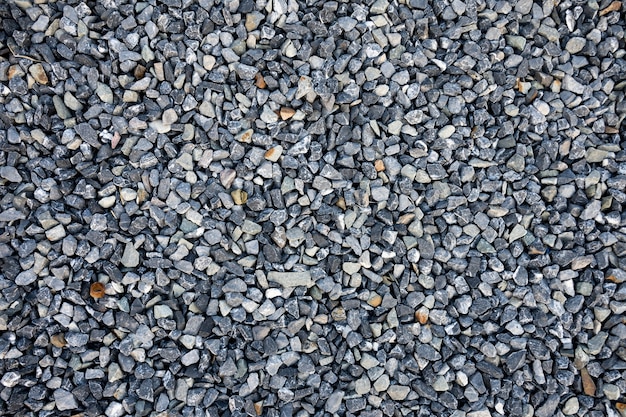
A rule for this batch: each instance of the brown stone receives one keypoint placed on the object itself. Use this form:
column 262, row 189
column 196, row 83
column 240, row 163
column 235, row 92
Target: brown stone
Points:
column 613, row 7
column 589, row 387
column 97, row 290
column 142, row 195
column 379, row 165
column 58, row 340
column 140, row 71
column 286, row 113
column 421, row 315
column 260, row 81
column 14, row 70
column 258, row 407
column 375, row 300
column 406, row 218
column 338, row 314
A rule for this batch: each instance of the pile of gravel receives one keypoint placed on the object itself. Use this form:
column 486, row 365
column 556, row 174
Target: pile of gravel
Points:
column 312, row 208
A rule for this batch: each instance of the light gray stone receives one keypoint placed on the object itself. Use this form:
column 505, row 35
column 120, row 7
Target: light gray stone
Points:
column 398, row 392
column 64, row 400
column 26, row 277
column 130, row 258
column 291, row 279
column 10, row 174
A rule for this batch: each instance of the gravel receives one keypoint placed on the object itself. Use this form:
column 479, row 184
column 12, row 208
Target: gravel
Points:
column 302, row 208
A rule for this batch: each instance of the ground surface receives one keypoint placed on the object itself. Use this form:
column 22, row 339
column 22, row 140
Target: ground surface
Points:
column 299, row 208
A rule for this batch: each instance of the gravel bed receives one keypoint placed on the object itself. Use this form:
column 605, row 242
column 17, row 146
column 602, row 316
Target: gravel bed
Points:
column 312, row 208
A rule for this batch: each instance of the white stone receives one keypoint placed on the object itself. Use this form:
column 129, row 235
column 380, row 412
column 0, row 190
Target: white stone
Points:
column 368, row 361
column 362, row 386
column 575, row 45
column 379, row 7
column 55, row 233
column 190, row 358
column 398, row 392
column 479, row 413
column 169, row 117
column 446, row 131
column 571, row 406
column 114, row 409
column 351, row 267
column 382, row 383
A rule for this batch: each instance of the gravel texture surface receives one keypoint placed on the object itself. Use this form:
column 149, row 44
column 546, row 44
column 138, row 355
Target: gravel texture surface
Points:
column 312, row 208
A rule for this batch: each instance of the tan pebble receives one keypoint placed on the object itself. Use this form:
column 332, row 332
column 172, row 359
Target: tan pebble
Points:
column 139, row 72
column 339, row 314
column 286, row 113
column 589, row 387
column 38, row 73
column 379, row 165
column 239, row 197
column 613, row 7
column 375, row 300
column 13, row 71
column 58, row 340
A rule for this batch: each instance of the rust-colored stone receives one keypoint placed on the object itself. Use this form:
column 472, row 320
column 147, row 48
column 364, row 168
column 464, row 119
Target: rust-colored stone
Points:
column 272, row 154
column 260, row 81
column 421, row 315
column 246, row 136
column 97, row 290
